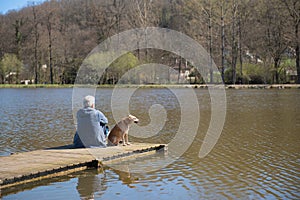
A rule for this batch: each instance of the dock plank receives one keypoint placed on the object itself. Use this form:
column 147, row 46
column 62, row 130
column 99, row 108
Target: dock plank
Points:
column 35, row 165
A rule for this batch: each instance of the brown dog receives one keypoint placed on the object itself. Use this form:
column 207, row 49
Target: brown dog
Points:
column 120, row 131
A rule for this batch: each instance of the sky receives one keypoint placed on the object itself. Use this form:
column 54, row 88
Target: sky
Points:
column 6, row 5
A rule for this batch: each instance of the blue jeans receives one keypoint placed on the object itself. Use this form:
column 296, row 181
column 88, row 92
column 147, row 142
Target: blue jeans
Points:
column 77, row 142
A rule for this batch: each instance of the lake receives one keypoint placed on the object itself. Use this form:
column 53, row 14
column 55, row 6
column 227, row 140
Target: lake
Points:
column 256, row 157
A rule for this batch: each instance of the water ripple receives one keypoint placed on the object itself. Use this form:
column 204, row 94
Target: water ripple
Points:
column 256, row 157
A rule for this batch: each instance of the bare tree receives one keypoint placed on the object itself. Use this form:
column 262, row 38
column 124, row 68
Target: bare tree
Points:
column 223, row 11
column 61, row 33
column 18, row 38
column 140, row 14
column 208, row 9
column 234, row 45
column 35, row 45
column 242, row 16
column 293, row 7
column 106, row 17
column 49, row 29
column 274, row 35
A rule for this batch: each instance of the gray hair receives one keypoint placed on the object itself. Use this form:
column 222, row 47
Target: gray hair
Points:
column 88, row 101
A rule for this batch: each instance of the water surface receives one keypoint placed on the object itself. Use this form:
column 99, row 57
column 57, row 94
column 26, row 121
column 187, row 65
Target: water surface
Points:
column 256, row 157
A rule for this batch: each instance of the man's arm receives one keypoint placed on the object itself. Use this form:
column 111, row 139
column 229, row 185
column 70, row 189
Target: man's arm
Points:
column 102, row 118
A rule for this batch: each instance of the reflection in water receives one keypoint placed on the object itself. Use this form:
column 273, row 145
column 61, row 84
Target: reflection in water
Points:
column 91, row 184
column 256, row 157
column 125, row 175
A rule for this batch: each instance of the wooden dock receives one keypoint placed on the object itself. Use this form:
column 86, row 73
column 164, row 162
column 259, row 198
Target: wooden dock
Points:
column 31, row 166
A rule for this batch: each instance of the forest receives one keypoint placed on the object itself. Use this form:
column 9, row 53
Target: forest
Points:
column 250, row 41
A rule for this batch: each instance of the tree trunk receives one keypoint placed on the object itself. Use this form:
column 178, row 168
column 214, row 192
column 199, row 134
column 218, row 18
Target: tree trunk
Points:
column 276, row 66
column 3, row 79
column 297, row 52
column 50, row 48
column 223, row 42
column 179, row 69
column 240, row 49
column 36, row 39
column 18, row 38
column 210, row 44
column 294, row 13
column 234, row 46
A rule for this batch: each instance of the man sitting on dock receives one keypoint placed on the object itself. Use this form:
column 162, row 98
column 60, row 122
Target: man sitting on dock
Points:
column 90, row 126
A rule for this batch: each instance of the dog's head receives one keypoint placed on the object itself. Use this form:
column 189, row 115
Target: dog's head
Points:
column 132, row 119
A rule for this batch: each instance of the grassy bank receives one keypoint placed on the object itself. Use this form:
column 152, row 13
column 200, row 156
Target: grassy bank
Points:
column 262, row 86
column 35, row 86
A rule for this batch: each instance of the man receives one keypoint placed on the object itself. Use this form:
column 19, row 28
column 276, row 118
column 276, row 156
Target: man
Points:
column 90, row 126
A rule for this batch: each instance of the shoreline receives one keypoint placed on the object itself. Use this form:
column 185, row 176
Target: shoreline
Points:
column 201, row 86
